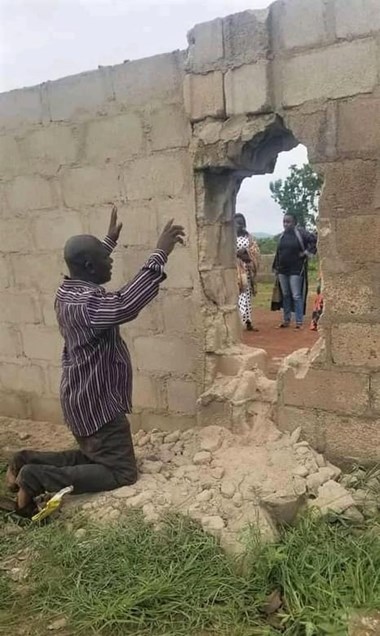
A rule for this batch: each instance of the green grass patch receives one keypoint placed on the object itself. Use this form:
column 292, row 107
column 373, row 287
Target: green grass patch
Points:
column 130, row 579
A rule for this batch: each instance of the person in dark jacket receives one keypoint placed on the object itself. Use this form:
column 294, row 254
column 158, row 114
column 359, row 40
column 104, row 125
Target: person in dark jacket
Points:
column 295, row 246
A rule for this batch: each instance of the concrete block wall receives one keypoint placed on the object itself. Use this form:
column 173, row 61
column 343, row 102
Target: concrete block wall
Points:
column 67, row 149
column 174, row 135
column 303, row 71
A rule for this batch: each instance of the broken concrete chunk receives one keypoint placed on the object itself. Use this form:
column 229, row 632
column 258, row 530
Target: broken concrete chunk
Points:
column 202, row 458
column 301, row 471
column 172, row 437
column 284, row 508
column 295, row 436
column 228, row 489
column 333, row 497
column 151, row 467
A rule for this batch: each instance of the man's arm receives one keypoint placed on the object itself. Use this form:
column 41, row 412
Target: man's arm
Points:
column 108, row 309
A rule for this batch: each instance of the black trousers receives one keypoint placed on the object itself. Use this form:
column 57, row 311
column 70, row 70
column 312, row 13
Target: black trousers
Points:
column 103, row 461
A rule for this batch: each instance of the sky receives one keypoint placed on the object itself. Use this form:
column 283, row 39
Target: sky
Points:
column 43, row 40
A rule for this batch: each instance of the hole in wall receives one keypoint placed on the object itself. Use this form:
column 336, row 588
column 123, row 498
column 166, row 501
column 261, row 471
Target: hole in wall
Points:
column 263, row 200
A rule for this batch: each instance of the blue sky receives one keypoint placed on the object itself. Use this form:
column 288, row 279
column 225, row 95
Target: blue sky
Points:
column 46, row 39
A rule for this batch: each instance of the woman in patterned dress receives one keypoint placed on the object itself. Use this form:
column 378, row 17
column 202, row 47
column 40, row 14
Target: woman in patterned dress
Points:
column 248, row 254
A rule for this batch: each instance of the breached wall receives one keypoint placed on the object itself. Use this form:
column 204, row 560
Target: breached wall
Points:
column 174, row 136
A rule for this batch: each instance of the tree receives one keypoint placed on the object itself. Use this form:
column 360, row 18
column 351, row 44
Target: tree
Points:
column 298, row 194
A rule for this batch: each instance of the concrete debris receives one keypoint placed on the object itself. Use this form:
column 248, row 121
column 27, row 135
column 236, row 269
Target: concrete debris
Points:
column 226, row 481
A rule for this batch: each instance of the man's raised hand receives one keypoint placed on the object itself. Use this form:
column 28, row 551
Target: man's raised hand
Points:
column 171, row 234
column 114, row 227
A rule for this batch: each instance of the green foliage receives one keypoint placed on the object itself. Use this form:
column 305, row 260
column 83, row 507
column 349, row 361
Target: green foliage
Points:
column 131, row 579
column 267, row 245
column 298, row 194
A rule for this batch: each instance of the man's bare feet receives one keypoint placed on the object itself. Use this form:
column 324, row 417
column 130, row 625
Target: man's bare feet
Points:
column 10, row 480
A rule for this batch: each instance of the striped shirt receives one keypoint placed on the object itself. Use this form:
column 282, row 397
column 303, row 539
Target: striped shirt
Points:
column 96, row 383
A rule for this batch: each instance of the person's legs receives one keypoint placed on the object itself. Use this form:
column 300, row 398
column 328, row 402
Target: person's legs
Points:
column 286, row 298
column 296, row 290
column 25, row 457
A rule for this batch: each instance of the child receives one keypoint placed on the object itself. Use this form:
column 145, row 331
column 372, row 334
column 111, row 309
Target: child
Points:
column 318, row 306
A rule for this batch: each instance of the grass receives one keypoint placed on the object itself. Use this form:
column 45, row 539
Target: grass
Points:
column 129, row 579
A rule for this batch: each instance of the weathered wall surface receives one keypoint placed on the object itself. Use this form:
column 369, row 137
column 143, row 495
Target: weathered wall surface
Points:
column 67, row 149
column 174, row 135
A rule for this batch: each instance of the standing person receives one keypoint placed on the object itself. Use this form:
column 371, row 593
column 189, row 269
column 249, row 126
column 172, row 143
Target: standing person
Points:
column 96, row 385
column 295, row 245
column 248, row 255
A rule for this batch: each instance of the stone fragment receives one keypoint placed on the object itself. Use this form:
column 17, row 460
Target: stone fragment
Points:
column 58, row 624
column 80, row 533
column 151, row 467
column 283, row 508
column 143, row 440
column 141, row 499
column 295, row 436
column 150, row 514
column 213, row 524
column 353, row 515
column 320, row 460
column 202, row 458
column 166, row 456
column 23, row 436
column 315, row 481
column 205, row 495
column 228, row 489
column 218, row 472
column 172, row 437
column 237, row 499
column 124, row 493
column 333, row 497
column 301, row 471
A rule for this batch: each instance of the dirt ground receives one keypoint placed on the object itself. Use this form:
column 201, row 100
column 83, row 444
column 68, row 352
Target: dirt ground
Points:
column 278, row 343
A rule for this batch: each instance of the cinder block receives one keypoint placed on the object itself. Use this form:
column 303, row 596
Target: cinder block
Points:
column 46, row 409
column 206, row 50
column 356, row 345
column 364, row 296
column 181, row 269
column 51, row 232
column 182, row 396
column 247, row 89
column 42, row 343
column 114, row 138
column 29, row 193
column 180, row 313
column 10, row 341
column 48, row 312
column 342, row 392
column 356, row 18
column 10, row 156
column 41, row 271
column 150, row 421
column 220, row 286
column 89, row 185
column 204, row 96
column 359, row 127
column 299, row 23
column 348, row 188
column 22, row 378
column 53, row 379
column 19, row 308
column 15, row 235
column 170, row 128
column 351, row 438
column 50, row 148
column 162, row 174
column 12, row 405
column 4, row 273
column 341, row 70
column 148, row 392
column 364, row 250
column 161, row 354
column 20, row 107
column 155, row 79
column 77, row 96
column 246, row 37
